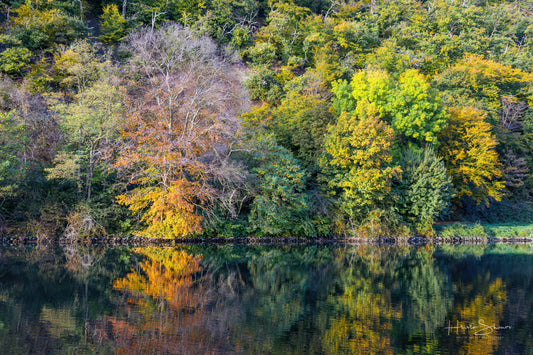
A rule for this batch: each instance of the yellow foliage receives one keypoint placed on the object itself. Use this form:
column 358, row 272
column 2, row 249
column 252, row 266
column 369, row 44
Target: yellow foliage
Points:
column 469, row 151
column 359, row 161
column 168, row 212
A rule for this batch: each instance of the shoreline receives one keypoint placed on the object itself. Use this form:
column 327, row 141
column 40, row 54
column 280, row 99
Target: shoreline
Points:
column 143, row 241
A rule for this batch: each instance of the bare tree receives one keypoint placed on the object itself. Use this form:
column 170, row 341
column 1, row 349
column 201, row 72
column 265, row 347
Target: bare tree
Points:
column 511, row 113
column 184, row 101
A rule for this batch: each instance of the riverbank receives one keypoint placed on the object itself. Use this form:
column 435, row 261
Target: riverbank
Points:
column 140, row 241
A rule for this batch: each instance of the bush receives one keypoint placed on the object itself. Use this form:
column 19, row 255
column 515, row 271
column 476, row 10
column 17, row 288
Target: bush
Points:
column 14, row 60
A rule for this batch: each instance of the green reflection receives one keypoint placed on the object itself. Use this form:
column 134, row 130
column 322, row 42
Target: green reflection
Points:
column 277, row 300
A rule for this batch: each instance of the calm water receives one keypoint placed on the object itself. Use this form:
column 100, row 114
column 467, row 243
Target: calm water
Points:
column 267, row 300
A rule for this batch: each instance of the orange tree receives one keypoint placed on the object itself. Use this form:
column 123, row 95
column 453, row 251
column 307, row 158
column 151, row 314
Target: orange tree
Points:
column 178, row 132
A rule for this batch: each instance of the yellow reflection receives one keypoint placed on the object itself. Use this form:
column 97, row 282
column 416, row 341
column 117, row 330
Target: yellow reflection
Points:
column 59, row 322
column 165, row 281
column 478, row 320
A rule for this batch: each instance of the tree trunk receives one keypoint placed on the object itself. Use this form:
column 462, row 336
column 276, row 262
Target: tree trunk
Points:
column 124, row 4
column 90, row 172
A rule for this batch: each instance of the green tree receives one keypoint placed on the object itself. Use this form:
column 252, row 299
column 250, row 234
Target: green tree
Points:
column 280, row 207
column 89, row 124
column 12, row 137
column 416, row 109
column 425, row 189
column 113, row 25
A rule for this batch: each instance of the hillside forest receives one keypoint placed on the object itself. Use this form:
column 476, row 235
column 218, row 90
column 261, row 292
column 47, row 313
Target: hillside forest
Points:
column 182, row 118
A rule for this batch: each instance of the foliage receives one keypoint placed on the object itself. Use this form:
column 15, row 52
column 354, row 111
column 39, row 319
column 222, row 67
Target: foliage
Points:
column 461, row 230
column 416, row 109
column 469, row 152
column 14, row 60
column 349, row 92
column 38, row 28
column 425, row 189
column 483, row 83
column 412, row 107
column 113, row 25
column 358, row 163
column 280, row 207
column 89, row 123
column 12, row 137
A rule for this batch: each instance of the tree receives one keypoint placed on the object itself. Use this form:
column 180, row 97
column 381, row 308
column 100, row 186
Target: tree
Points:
column 12, row 137
column 416, row 109
column 179, row 130
column 279, row 208
column 469, row 151
column 113, row 25
column 358, row 162
column 483, row 84
column 425, row 189
column 88, row 115
column 90, row 123
column 410, row 105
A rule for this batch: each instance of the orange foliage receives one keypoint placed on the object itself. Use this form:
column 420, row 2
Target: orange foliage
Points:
column 164, row 304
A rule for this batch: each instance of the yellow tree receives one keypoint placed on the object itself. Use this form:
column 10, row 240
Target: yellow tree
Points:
column 359, row 163
column 469, row 151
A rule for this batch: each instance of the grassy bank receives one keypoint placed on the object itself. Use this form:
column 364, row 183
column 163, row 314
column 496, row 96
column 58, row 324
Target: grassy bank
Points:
column 501, row 230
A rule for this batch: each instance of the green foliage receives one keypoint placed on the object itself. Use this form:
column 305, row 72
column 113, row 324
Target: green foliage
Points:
column 113, row 25
column 343, row 100
column 461, row 230
column 425, row 189
column 412, row 107
column 12, row 138
column 14, row 60
column 42, row 28
column 416, row 109
column 358, row 163
column 263, row 85
column 279, row 207
column 299, row 123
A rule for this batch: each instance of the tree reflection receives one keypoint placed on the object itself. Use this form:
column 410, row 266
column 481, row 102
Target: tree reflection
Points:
column 268, row 300
column 166, row 307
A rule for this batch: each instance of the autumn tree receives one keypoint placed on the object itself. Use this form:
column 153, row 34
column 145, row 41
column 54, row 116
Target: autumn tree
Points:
column 469, row 151
column 89, row 116
column 359, row 164
column 478, row 82
column 179, row 130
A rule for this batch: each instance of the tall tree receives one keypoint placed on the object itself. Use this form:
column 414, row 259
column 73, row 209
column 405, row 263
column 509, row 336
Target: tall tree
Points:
column 179, row 130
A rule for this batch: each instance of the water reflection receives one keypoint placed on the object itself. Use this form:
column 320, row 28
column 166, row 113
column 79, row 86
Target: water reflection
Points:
column 224, row 299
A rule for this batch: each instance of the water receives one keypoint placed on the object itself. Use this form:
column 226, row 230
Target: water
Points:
column 267, row 300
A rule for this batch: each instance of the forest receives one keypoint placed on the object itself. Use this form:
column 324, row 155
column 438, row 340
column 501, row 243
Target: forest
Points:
column 298, row 118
